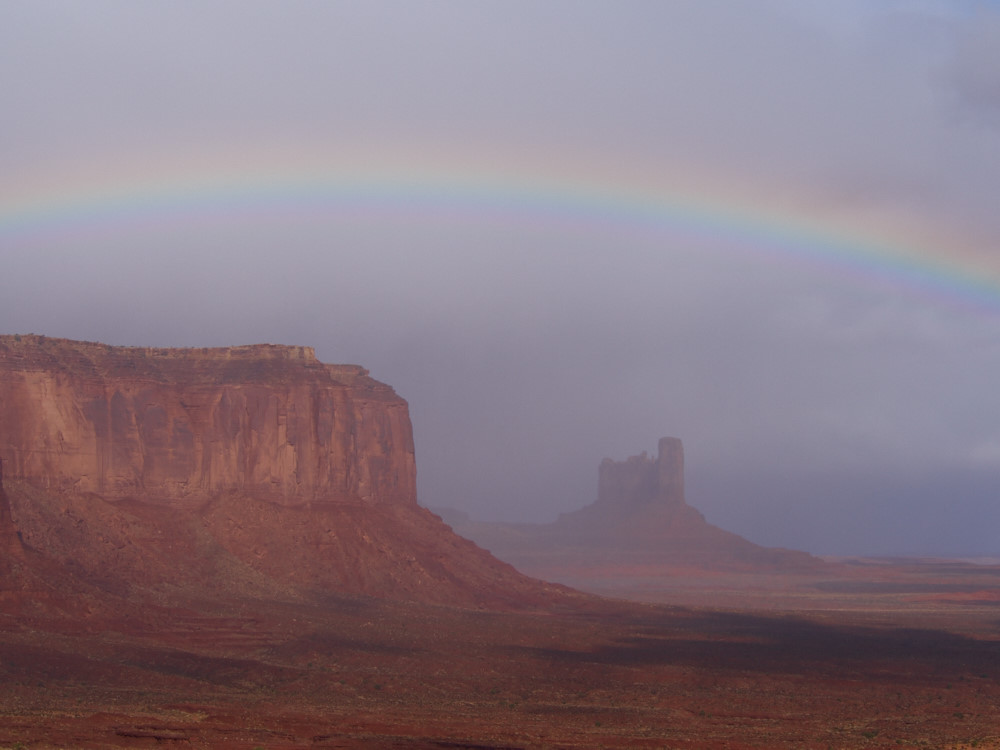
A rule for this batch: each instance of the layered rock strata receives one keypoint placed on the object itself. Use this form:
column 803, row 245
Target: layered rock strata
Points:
column 10, row 539
column 272, row 421
column 248, row 472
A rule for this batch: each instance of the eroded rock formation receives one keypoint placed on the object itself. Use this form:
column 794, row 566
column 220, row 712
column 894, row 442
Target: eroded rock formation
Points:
column 637, row 499
column 252, row 471
column 640, row 519
column 168, row 423
column 641, row 480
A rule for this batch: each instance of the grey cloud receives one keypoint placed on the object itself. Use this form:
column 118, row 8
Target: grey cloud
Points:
column 975, row 68
column 820, row 405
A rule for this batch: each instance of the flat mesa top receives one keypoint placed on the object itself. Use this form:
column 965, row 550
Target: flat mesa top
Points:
column 66, row 354
column 249, row 351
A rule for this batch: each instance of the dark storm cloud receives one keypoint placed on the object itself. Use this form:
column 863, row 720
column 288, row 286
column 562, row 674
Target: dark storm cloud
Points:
column 821, row 408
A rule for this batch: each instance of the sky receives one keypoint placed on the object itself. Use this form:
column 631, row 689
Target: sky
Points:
column 560, row 230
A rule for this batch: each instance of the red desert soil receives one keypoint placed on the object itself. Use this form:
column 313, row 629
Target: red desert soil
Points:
column 353, row 672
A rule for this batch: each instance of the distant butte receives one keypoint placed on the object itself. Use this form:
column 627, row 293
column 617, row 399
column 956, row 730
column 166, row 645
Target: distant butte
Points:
column 639, row 526
column 250, row 471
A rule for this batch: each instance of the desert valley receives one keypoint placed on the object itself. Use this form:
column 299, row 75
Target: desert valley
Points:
column 223, row 548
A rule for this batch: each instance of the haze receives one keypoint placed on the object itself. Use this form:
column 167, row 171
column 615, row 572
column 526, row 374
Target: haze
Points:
column 840, row 402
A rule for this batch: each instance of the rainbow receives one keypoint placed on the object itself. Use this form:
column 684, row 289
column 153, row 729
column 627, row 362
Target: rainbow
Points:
column 568, row 201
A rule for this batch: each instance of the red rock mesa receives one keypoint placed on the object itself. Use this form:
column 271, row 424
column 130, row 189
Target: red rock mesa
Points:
column 249, row 470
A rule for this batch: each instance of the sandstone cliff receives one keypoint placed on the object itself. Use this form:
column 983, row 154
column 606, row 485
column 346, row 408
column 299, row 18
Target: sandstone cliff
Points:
column 250, row 471
column 168, row 423
column 10, row 541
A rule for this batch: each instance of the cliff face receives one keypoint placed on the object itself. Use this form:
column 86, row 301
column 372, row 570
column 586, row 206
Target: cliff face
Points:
column 271, row 421
column 248, row 472
column 10, row 543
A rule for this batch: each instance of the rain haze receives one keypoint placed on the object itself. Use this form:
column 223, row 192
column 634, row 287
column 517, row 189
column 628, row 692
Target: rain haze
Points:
column 560, row 230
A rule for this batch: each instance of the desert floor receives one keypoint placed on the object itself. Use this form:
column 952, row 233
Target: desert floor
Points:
column 869, row 654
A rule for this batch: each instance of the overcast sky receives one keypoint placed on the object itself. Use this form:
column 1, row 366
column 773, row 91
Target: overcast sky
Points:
column 560, row 230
